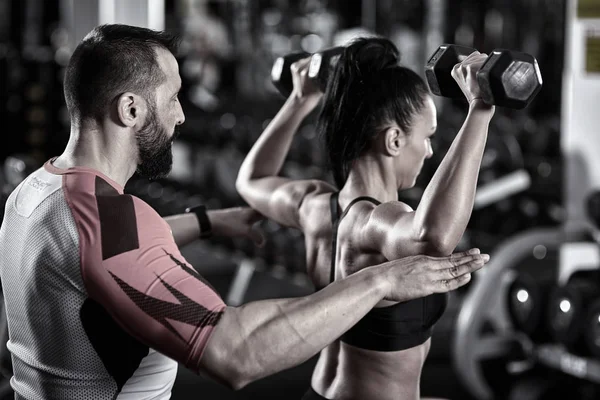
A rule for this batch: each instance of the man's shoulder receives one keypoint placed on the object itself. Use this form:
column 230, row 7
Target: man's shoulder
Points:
column 121, row 220
column 107, row 199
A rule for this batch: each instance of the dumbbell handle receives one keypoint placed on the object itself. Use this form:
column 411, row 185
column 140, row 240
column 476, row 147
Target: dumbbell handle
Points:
column 317, row 71
column 462, row 52
column 445, row 87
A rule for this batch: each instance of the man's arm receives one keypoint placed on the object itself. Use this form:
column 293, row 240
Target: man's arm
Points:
column 265, row 337
column 158, row 298
column 184, row 227
column 230, row 222
column 258, row 182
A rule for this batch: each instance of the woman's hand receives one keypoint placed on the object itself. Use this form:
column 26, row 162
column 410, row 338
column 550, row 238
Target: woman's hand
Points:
column 305, row 89
column 465, row 74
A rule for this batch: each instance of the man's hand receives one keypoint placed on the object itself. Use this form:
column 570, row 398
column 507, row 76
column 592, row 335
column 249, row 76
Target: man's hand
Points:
column 236, row 222
column 419, row 276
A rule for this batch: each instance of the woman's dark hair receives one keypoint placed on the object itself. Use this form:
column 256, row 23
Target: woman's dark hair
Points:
column 111, row 60
column 367, row 88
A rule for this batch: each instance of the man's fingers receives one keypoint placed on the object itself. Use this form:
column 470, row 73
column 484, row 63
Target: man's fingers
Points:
column 459, row 255
column 483, row 258
column 466, row 253
column 456, row 261
column 449, row 285
column 462, row 269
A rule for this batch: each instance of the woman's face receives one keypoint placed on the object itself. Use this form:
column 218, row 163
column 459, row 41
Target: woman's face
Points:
column 418, row 145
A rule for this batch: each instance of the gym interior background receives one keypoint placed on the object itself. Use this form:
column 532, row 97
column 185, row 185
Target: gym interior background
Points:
column 527, row 327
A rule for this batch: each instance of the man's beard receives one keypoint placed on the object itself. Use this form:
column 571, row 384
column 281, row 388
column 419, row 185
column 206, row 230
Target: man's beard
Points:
column 155, row 156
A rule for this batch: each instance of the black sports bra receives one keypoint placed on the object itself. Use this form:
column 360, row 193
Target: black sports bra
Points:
column 397, row 327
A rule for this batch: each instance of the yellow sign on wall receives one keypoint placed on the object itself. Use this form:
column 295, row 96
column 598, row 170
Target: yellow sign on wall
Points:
column 592, row 54
column 588, row 9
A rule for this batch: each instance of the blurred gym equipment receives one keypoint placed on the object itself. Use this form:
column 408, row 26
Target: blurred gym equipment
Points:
column 542, row 388
column 593, row 207
column 591, row 328
column 573, row 307
column 486, row 303
column 527, row 300
column 568, row 307
column 81, row 16
column 16, row 168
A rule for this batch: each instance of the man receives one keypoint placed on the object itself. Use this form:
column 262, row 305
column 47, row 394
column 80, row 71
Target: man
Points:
column 100, row 302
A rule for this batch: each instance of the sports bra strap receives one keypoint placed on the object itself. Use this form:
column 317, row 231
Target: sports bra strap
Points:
column 356, row 200
column 334, row 207
column 335, row 222
column 335, row 216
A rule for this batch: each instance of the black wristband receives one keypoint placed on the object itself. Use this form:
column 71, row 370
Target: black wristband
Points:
column 205, row 226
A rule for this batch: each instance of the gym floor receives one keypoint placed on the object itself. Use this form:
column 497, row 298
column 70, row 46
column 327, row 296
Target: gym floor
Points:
column 438, row 380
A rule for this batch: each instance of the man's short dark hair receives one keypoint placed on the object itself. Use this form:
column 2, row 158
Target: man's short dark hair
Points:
column 111, row 60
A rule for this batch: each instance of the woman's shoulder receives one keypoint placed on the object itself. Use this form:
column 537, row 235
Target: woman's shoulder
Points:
column 362, row 207
column 315, row 210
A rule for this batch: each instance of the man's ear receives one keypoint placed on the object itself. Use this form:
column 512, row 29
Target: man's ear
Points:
column 131, row 109
column 394, row 140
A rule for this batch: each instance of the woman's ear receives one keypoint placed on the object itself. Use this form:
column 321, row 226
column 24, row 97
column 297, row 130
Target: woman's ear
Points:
column 394, row 140
column 131, row 109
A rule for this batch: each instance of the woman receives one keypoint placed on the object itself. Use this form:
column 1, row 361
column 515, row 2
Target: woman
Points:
column 377, row 120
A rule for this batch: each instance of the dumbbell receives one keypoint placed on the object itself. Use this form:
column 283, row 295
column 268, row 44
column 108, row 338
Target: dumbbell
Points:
column 281, row 74
column 318, row 70
column 321, row 64
column 507, row 78
column 567, row 309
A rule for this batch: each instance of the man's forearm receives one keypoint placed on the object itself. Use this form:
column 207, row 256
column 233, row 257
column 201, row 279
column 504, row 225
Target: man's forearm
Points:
column 270, row 150
column 264, row 337
column 447, row 202
column 184, row 227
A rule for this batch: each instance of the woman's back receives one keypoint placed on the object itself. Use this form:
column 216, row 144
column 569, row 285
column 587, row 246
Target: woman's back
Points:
column 344, row 370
